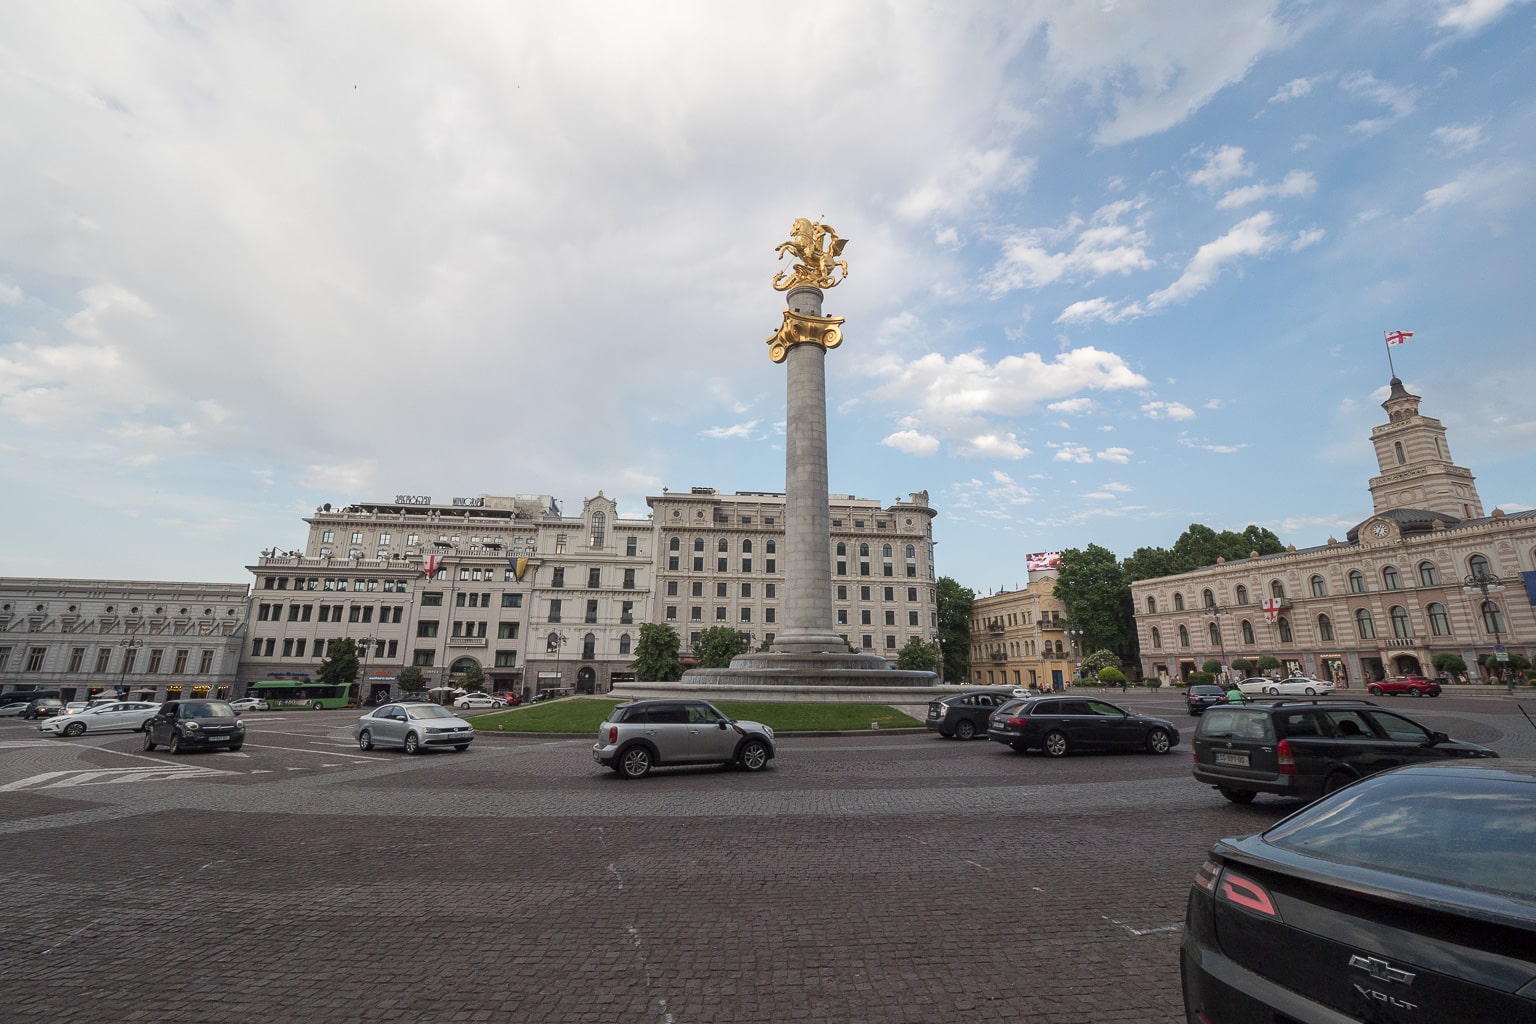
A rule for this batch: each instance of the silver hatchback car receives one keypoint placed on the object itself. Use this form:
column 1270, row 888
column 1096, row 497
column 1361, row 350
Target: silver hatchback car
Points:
column 414, row 727
column 646, row 733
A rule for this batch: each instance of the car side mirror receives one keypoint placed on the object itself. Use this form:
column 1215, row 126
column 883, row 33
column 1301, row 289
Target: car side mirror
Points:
column 725, row 725
column 1437, row 737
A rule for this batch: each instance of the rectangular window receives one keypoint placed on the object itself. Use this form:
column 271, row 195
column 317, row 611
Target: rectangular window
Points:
column 593, row 578
column 890, row 593
column 842, row 616
column 76, row 656
column 842, row 567
column 697, row 590
column 298, row 648
column 591, row 611
column 288, row 647
column 671, row 613
column 720, row 565
column 720, row 589
column 157, row 656
column 432, row 599
column 672, row 562
column 511, row 600
column 180, row 663
column 890, row 643
column 506, row 659
column 911, row 570
column 631, row 546
column 890, row 618
column 746, row 615
column 911, row 618
column 671, row 588
column 746, row 590
column 746, row 565
column 627, row 613
column 842, row 592
column 355, row 613
column 887, row 570
column 293, row 613
column 719, row 614
column 698, row 564
column 696, row 614
column 863, row 568
column 629, row 579
column 864, row 617
column 205, row 663
column 506, row 631
column 770, row 565
column 103, row 658
column 559, row 577
column 911, row 593
column 868, row 642
column 424, row 659
column 769, row 615
column 863, row 593
column 427, row 628
column 554, row 610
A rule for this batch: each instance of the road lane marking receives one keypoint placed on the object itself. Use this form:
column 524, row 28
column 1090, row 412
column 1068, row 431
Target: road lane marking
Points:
column 106, row 776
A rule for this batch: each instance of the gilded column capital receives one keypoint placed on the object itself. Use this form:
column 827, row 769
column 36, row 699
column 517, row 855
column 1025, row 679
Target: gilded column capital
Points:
column 803, row 329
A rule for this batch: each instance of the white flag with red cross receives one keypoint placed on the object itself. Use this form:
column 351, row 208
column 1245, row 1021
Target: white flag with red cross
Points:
column 1271, row 606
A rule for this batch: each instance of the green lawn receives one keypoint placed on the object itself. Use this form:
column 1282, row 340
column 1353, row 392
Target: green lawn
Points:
column 584, row 714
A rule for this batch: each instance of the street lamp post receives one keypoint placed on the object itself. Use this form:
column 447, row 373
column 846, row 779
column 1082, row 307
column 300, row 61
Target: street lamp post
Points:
column 364, row 645
column 1075, row 637
column 1485, row 583
column 938, row 645
column 447, row 638
column 555, row 642
column 1212, row 612
column 130, row 648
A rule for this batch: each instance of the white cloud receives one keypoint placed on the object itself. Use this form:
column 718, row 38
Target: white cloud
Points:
column 1221, row 166
column 1456, row 139
column 1307, row 239
column 10, row 294
column 1120, row 455
column 964, row 182
column 912, row 442
column 1399, row 101
column 1205, row 446
column 997, row 445
column 1072, row 405
column 1214, row 403
column 1101, row 309
column 739, row 430
column 339, row 479
column 1491, row 188
column 1295, row 185
column 1250, row 238
column 1102, row 246
column 1119, row 488
column 1469, row 16
column 1295, row 89
column 1167, row 411
column 1070, row 452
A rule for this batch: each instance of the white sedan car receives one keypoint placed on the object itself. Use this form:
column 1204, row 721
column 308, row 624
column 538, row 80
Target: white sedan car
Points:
column 250, row 704
column 479, row 700
column 119, row 716
column 1295, row 686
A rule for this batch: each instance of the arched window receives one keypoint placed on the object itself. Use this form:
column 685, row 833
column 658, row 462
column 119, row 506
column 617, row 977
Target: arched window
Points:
column 1276, row 589
column 863, row 550
column 599, row 533
column 698, row 544
column 911, row 551
column 1157, row 637
column 1428, row 575
column 1397, row 447
column 674, row 544
column 1178, row 602
column 624, row 643
column 1285, row 630
column 724, row 544
column 1208, row 598
column 1183, row 636
column 1356, row 581
column 1247, row 632
column 589, row 647
column 772, row 547
column 1493, row 619
column 1151, row 605
column 1401, row 628
column 1241, row 593
column 1324, row 628
column 885, row 551
column 1477, row 566
column 746, row 547
column 1059, row 649
column 1390, row 579
column 1363, row 624
column 1439, row 621
column 1215, row 633
column 842, row 550
column 1319, row 587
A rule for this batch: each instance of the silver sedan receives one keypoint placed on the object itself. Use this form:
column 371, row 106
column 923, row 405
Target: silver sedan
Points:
column 119, row 716
column 414, row 727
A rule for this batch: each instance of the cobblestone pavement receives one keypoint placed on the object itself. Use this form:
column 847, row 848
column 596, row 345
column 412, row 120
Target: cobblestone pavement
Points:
column 879, row 878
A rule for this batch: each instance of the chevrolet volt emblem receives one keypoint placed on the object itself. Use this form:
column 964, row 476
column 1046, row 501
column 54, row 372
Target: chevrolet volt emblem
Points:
column 1379, row 969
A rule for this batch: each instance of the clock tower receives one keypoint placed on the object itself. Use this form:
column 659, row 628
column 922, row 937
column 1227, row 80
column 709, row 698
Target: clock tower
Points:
column 1416, row 467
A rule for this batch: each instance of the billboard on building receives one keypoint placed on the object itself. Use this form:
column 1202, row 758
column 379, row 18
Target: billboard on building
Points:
column 1042, row 560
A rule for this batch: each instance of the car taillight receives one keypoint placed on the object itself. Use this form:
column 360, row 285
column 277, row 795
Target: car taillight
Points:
column 613, row 734
column 1286, row 757
column 1206, row 877
column 1245, row 892
column 1017, row 723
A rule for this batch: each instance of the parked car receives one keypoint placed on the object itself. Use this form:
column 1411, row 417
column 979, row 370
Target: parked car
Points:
column 643, row 734
column 75, row 706
column 1203, row 695
column 413, row 726
column 1024, row 691
column 1417, row 686
column 965, row 714
column 1409, row 896
column 43, row 707
column 250, row 704
column 479, row 701
column 194, row 725
column 12, row 709
column 1292, row 686
column 1059, row 725
column 115, row 716
column 511, row 697
column 1306, row 748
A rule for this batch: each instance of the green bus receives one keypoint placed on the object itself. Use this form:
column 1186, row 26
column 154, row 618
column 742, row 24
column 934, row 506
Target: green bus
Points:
column 299, row 693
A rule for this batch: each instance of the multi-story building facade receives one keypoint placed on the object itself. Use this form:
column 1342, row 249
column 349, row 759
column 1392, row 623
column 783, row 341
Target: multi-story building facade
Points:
column 717, row 564
column 1427, row 572
column 89, row 638
column 1022, row 638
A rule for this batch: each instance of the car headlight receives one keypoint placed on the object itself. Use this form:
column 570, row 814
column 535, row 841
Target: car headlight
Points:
column 239, row 727
column 191, row 726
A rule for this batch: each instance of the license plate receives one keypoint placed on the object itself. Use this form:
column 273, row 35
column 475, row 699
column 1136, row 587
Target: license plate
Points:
column 1224, row 757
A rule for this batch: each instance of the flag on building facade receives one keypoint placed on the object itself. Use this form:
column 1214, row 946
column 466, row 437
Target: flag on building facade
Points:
column 1042, row 560
column 1271, row 606
column 518, row 566
column 429, row 565
column 1398, row 337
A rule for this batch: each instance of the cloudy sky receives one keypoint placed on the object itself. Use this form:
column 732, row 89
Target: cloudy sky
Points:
column 1116, row 265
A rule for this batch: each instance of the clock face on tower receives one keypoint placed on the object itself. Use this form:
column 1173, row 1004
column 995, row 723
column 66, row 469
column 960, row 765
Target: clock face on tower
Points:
column 1380, row 529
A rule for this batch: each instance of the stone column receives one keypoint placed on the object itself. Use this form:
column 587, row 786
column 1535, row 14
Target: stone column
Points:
column 808, row 625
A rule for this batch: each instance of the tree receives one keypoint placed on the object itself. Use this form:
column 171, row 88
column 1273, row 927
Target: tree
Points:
column 340, row 666
column 1211, row 667
column 955, row 603
column 474, row 678
column 1092, row 586
column 656, row 653
column 1095, row 663
column 411, row 679
column 717, row 645
column 918, row 656
column 1109, row 675
column 1268, row 663
column 1246, row 666
column 1449, row 661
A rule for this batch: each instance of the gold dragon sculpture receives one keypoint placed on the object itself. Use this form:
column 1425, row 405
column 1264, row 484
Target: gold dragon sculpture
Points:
column 816, row 249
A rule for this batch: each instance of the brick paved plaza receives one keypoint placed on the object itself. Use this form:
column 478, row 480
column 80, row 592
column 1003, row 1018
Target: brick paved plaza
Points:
column 888, row 877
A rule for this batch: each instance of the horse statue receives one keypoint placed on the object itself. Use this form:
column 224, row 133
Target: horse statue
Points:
column 816, row 249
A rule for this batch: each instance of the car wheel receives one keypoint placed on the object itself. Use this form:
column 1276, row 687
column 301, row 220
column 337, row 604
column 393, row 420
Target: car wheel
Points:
column 74, row 729
column 1273, row 691
column 634, row 763
column 1416, row 692
column 1311, row 692
column 1375, row 691
column 965, row 730
column 461, row 747
column 173, row 745
column 1055, row 744
column 412, row 743
column 753, row 755
column 1159, row 742
column 316, row 706
column 149, row 740
column 1336, row 781
column 1238, row 796
column 365, row 740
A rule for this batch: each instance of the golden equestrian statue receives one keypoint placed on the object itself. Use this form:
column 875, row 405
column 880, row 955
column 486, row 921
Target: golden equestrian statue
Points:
column 816, row 249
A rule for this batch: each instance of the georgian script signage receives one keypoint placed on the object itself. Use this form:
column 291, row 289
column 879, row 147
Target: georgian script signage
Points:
column 469, row 502
column 413, row 499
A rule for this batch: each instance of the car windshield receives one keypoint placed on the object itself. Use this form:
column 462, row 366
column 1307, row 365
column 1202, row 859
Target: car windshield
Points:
column 1472, row 831
column 209, row 709
column 421, row 711
column 1010, row 708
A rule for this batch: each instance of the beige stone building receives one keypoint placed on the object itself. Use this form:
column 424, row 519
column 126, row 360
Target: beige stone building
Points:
column 1426, row 572
column 88, row 638
column 1022, row 638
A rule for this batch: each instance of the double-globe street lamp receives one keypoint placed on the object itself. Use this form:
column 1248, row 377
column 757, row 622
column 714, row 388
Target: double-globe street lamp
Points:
column 1486, row 583
column 364, row 645
column 130, row 648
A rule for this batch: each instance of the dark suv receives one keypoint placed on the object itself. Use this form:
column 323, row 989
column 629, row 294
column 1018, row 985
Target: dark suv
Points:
column 965, row 714
column 43, row 707
column 1060, row 725
column 1306, row 748
column 195, row 724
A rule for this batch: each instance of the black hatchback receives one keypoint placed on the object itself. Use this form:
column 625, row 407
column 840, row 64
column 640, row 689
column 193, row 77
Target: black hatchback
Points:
column 1306, row 748
column 965, row 714
column 195, row 724
column 1056, row 726
column 1202, row 696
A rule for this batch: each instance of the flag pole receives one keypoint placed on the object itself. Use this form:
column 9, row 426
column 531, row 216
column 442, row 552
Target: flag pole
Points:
column 1388, row 343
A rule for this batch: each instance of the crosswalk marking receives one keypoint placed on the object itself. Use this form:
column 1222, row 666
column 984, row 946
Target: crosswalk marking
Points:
column 106, row 776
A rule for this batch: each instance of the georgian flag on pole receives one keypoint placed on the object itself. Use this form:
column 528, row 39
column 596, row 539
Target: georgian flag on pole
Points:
column 1398, row 337
column 429, row 566
column 1271, row 606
